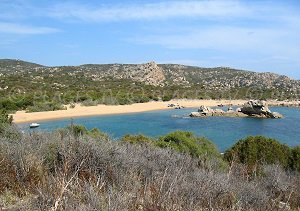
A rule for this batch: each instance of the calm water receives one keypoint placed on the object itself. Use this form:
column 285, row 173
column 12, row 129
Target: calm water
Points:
column 224, row 132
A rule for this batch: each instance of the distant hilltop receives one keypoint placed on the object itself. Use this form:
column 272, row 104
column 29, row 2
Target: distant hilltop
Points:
column 218, row 78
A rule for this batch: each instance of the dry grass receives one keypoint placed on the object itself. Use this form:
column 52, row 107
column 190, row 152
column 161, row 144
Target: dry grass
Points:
column 55, row 172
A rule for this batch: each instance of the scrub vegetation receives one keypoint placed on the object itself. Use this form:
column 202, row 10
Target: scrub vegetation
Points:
column 79, row 169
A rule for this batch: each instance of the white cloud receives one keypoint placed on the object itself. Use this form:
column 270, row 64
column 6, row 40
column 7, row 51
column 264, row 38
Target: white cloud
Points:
column 216, row 37
column 15, row 28
column 149, row 11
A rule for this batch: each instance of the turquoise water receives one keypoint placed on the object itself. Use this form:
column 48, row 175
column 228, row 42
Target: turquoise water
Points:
column 224, row 132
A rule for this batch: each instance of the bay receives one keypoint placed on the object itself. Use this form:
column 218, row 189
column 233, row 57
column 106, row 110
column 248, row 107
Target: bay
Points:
column 222, row 131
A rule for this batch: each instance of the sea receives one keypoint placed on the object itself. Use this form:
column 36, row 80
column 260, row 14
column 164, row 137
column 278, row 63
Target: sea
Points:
column 222, row 131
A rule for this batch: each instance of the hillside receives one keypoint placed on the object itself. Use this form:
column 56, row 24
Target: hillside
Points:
column 6, row 64
column 140, row 82
column 158, row 74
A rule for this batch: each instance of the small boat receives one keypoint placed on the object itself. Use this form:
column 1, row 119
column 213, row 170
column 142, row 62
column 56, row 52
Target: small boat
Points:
column 34, row 125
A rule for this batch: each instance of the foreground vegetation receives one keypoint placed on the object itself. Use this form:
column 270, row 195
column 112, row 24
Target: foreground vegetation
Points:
column 79, row 169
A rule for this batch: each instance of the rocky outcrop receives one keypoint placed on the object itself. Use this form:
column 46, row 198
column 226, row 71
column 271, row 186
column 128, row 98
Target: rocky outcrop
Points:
column 152, row 74
column 207, row 112
column 259, row 108
column 275, row 115
column 149, row 73
column 255, row 107
column 204, row 111
column 252, row 108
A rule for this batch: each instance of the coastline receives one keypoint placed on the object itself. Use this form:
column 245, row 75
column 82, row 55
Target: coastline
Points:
column 81, row 111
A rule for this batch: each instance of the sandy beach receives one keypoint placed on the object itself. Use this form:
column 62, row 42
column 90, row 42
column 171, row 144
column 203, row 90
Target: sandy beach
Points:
column 79, row 111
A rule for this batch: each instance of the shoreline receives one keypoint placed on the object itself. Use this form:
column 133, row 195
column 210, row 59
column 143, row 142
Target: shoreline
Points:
column 85, row 111
column 82, row 111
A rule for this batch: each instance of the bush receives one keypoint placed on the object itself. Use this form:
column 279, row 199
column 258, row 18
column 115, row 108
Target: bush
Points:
column 167, row 98
column 47, row 171
column 47, row 106
column 4, row 117
column 187, row 142
column 8, row 105
column 295, row 159
column 72, row 105
column 89, row 102
column 80, row 130
column 96, row 133
column 77, row 130
column 136, row 139
column 5, row 120
column 259, row 150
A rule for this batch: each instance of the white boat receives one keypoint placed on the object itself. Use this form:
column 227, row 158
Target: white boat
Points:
column 34, row 125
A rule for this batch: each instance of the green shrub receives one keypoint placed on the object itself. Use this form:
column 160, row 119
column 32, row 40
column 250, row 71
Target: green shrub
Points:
column 259, row 150
column 295, row 159
column 8, row 105
column 167, row 98
column 5, row 121
column 80, row 130
column 136, row 139
column 187, row 142
column 46, row 106
column 77, row 130
column 89, row 102
column 51, row 156
column 4, row 117
column 96, row 133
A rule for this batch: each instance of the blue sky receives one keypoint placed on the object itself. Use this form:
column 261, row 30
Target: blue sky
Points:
column 254, row 35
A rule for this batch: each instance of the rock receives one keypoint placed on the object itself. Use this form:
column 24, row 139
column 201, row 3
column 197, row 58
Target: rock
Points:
column 255, row 107
column 204, row 109
column 217, row 110
column 259, row 108
column 196, row 114
column 276, row 115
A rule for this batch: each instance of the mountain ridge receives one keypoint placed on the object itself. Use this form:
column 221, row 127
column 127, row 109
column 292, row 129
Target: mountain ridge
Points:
column 12, row 61
column 217, row 79
column 161, row 74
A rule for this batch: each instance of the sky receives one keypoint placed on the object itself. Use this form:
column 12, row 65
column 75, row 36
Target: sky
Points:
column 253, row 35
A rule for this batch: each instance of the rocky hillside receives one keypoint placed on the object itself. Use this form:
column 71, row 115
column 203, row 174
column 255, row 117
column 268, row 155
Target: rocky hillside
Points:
column 219, row 78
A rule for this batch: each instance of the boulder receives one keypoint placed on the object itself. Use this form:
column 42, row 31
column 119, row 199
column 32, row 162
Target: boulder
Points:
column 217, row 110
column 196, row 114
column 255, row 107
column 204, row 109
column 238, row 110
column 275, row 115
column 258, row 108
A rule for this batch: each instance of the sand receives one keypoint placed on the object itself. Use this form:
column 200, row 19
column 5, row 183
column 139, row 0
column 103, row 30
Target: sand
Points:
column 79, row 111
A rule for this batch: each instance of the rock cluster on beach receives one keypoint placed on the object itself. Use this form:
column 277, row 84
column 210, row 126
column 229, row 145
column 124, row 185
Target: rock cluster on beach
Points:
column 252, row 108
